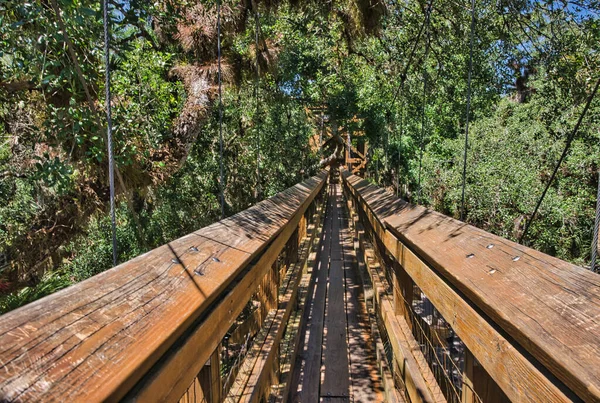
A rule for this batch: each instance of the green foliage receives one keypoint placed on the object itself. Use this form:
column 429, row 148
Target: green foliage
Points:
column 50, row 283
column 533, row 67
column 91, row 253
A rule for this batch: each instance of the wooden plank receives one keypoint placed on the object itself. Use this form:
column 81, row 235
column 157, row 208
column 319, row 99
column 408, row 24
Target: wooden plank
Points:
column 258, row 381
column 190, row 352
column 478, row 386
column 410, row 363
column 209, row 379
column 550, row 307
column 416, row 375
column 391, row 392
column 335, row 375
column 516, row 374
column 309, row 382
column 290, row 346
column 194, row 393
column 96, row 339
column 365, row 381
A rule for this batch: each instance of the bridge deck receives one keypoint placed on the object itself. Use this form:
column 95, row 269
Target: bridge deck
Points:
column 336, row 362
column 525, row 323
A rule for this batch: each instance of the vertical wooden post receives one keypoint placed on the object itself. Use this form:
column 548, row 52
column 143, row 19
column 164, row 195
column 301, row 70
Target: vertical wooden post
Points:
column 210, row 378
column 403, row 293
column 478, row 385
column 468, row 395
column 272, row 287
column 301, row 230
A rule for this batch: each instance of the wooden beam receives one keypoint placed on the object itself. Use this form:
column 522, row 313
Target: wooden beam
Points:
column 173, row 367
column 97, row 339
column 417, row 237
column 418, row 379
column 255, row 383
column 292, row 341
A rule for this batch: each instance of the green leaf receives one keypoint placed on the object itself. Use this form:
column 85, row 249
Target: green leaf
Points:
column 87, row 11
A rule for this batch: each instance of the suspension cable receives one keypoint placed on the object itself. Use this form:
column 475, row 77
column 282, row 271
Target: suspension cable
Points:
column 425, row 82
column 560, row 160
column 400, row 90
column 349, row 167
column 467, row 115
column 596, row 225
column 404, row 74
column 258, row 187
column 401, row 132
column 111, row 162
column 222, row 179
column 321, row 135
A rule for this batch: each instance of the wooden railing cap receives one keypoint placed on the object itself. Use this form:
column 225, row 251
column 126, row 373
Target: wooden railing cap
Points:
column 94, row 340
column 548, row 306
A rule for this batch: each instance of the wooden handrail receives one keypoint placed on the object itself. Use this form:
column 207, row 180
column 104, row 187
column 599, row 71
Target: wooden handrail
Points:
column 143, row 329
column 531, row 320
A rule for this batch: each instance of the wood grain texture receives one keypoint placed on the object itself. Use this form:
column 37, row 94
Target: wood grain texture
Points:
column 334, row 371
column 290, row 345
column 417, row 378
column 391, row 393
column 93, row 341
column 549, row 307
column 257, row 385
column 365, row 381
column 306, row 385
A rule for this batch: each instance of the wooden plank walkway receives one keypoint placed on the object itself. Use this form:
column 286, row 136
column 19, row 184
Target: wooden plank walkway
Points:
column 337, row 360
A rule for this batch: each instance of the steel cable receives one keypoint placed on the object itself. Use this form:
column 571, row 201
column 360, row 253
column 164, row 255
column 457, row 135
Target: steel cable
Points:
column 258, row 185
column 560, row 160
column 467, row 115
column 222, row 175
column 425, row 82
column 111, row 163
column 596, row 225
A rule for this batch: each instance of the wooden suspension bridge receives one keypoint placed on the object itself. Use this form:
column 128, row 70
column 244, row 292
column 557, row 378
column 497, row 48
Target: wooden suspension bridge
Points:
column 333, row 290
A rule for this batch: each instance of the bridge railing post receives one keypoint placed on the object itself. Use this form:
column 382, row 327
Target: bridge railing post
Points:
column 403, row 289
column 207, row 386
column 478, row 385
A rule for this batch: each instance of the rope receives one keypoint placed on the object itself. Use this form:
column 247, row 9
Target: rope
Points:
column 111, row 162
column 596, row 225
column 258, row 187
column 562, row 157
column 425, row 82
column 222, row 179
column 464, row 174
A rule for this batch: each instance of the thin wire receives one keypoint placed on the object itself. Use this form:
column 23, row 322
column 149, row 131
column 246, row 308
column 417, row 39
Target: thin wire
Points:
column 468, row 113
column 321, row 135
column 400, row 146
column 596, row 225
column 111, row 162
column 562, row 157
column 403, row 76
column 258, row 187
column 349, row 150
column 425, row 80
column 222, row 181
column 400, row 91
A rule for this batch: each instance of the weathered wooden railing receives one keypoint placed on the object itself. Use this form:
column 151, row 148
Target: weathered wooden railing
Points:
column 529, row 323
column 150, row 329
